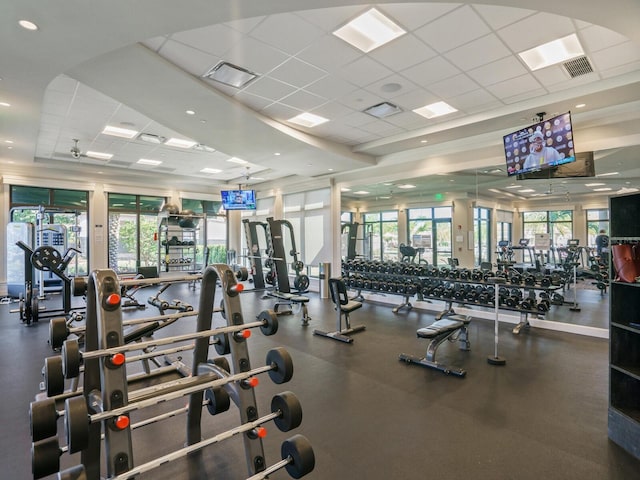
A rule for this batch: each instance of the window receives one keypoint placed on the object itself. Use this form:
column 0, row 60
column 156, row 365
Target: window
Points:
column 504, row 226
column 384, row 233
column 482, row 235
column 596, row 220
column 557, row 223
column 133, row 227
column 214, row 231
column 60, row 209
column 427, row 224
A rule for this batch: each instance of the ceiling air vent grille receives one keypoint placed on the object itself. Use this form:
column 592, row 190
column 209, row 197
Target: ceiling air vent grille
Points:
column 578, row 66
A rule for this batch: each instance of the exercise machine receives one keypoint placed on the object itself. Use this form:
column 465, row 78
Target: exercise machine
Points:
column 252, row 235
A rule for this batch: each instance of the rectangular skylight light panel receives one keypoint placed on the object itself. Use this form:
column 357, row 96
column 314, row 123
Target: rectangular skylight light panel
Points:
column 210, row 170
column 231, row 75
column 553, row 52
column 406, row 186
column 308, row 120
column 147, row 161
column 369, row 31
column 180, row 143
column 119, row 132
column 237, row 160
column 100, row 155
column 434, row 110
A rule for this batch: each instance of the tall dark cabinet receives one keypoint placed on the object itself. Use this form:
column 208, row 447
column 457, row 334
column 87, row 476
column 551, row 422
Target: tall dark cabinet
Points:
column 624, row 333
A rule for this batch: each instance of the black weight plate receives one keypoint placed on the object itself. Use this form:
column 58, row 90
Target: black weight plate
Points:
column 53, row 376
column 45, row 457
column 35, row 308
column 301, row 283
column 270, row 326
column 76, row 472
column 222, row 344
column 218, row 400
column 299, row 452
column 71, row 358
column 290, row 411
column 44, row 419
column 58, row 332
column 282, row 364
column 76, row 423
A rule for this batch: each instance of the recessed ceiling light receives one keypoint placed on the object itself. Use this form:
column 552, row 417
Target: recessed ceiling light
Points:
column 345, row 189
column 237, row 160
column 526, row 190
column 361, row 192
column 406, row 186
column 382, row 110
column 384, row 197
column 201, row 147
column 5, row 104
column 277, row 154
column 581, row 105
column 308, row 120
column 593, row 184
column 608, row 174
column 8, row 141
column 119, row 132
column 369, row 31
column 99, row 155
column 494, row 190
column 330, row 169
column 210, row 170
column 147, row 161
column 180, row 143
column 424, row 141
column 230, row 74
column 553, row 52
column 9, row 148
column 513, row 186
column 605, row 189
column 27, row 25
column 190, row 112
column 151, row 138
column 435, row 110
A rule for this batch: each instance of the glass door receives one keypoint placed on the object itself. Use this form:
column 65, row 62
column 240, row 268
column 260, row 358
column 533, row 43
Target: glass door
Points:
column 442, row 234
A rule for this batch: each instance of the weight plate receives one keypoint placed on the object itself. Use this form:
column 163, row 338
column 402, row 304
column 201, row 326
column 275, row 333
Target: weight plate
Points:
column 45, row 457
column 299, row 452
column 222, row 363
column 290, row 411
column 218, row 400
column 53, row 376
column 73, row 473
column 270, row 326
column 58, row 332
column 44, row 419
column 282, row 364
column 76, row 423
column 222, row 344
column 71, row 358
column 301, row 283
column 35, row 308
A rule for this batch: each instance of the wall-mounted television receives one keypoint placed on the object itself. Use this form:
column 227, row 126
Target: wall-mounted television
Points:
column 238, row 199
column 584, row 166
column 543, row 145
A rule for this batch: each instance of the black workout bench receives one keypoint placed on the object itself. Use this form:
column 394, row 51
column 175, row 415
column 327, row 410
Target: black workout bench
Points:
column 288, row 300
column 452, row 328
column 344, row 306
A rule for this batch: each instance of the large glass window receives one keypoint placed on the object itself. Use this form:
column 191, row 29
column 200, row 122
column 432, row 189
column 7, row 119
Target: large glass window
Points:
column 557, row 223
column 384, row 233
column 504, row 226
column 52, row 209
column 214, row 230
column 482, row 234
column 426, row 224
column 133, row 227
column 597, row 219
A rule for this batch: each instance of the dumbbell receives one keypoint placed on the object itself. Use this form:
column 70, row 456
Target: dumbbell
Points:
column 529, row 280
column 286, row 413
column 515, row 278
column 72, row 357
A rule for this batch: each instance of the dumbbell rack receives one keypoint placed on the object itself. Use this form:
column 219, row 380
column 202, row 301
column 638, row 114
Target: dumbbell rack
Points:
column 105, row 385
column 177, row 246
column 448, row 284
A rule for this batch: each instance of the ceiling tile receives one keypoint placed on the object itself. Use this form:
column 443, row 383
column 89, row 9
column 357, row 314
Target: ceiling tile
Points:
column 407, row 120
column 479, row 52
column 382, row 87
column 431, row 71
column 395, row 55
column 595, row 38
column 453, row 86
column 364, row 71
column 416, row 99
column 255, row 56
column 331, row 87
column 514, row 86
column 270, row 88
column 476, row 101
column 194, row 61
column 498, row 71
column 360, row 99
column 555, row 27
column 440, row 35
column 213, row 39
column 330, row 19
column 616, row 56
column 253, row 101
column 245, row 25
column 303, row 100
column 553, row 75
column 329, row 53
column 297, row 73
column 278, row 30
column 498, row 16
column 282, row 112
column 332, row 110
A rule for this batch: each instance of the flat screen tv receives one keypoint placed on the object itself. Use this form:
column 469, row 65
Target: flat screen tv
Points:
column 584, row 166
column 238, row 199
column 543, row 145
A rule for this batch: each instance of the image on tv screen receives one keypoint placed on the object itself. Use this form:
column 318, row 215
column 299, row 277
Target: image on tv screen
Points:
column 543, row 145
column 238, row 199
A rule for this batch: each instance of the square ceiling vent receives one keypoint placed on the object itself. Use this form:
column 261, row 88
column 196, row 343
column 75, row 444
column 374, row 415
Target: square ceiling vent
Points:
column 382, row 110
column 578, row 67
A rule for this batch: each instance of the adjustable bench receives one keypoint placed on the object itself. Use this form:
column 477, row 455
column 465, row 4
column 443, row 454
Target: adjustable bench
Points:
column 344, row 306
column 452, row 328
column 288, row 300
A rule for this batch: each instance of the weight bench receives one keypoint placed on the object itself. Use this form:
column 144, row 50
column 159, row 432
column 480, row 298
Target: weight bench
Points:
column 288, row 300
column 343, row 307
column 452, row 328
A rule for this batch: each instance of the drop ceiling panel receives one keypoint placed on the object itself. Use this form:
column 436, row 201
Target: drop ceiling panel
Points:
column 270, row 31
column 403, row 53
column 331, row 87
column 595, row 38
column 255, row 56
column 453, row 86
column 297, row 73
column 433, row 70
column 514, row 86
column 330, row 19
column 499, row 17
column 329, row 53
column 381, row 87
column 214, row 40
column 413, row 16
column 364, row 71
column 479, row 52
column 188, row 58
column 476, row 101
column 497, row 71
column 270, row 88
column 439, row 34
column 554, row 27
column 304, row 101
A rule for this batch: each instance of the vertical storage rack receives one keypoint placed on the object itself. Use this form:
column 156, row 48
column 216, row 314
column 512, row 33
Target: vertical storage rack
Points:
column 179, row 239
column 624, row 332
